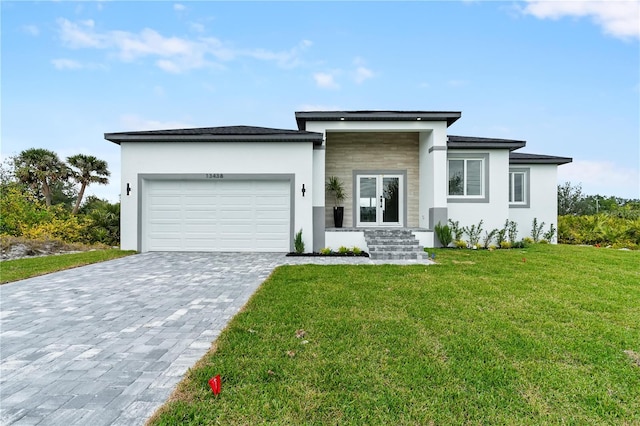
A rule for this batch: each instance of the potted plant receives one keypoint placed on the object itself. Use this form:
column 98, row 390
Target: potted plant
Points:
column 336, row 187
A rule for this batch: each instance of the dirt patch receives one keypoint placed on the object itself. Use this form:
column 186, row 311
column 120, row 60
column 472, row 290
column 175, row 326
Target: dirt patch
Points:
column 633, row 356
column 20, row 248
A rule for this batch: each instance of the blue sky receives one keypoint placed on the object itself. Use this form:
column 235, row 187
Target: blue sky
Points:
column 564, row 76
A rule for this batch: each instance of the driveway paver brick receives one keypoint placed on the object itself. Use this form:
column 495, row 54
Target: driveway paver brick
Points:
column 106, row 343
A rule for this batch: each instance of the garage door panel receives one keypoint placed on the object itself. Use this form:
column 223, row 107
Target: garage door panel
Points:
column 217, row 215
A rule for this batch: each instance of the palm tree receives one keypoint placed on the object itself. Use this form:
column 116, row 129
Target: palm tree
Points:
column 40, row 169
column 87, row 169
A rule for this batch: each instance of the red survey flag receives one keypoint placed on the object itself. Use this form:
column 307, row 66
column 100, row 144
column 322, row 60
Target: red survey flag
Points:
column 216, row 384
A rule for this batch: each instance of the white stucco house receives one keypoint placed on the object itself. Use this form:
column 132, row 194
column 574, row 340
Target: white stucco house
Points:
column 243, row 188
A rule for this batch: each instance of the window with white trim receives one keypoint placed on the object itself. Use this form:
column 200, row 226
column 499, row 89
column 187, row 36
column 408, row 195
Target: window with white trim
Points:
column 519, row 187
column 466, row 177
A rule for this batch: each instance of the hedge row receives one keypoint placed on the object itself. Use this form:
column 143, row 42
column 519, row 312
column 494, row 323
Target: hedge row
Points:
column 600, row 229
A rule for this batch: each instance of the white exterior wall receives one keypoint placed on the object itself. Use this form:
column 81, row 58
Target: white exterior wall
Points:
column 336, row 239
column 543, row 199
column 495, row 212
column 433, row 171
column 217, row 157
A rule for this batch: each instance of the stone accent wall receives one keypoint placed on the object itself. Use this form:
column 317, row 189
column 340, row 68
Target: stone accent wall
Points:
column 347, row 152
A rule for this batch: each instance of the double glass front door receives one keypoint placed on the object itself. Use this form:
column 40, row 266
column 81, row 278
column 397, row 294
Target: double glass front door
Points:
column 379, row 200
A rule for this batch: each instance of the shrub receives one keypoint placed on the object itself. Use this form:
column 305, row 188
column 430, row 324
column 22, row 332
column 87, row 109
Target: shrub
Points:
column 325, row 251
column 505, row 245
column 501, row 236
column 71, row 229
column 343, row 250
column 488, row 237
column 603, row 229
column 536, row 230
column 456, row 230
column 460, row 244
column 473, row 232
column 444, row 234
column 298, row 243
column 512, row 231
column 356, row 250
column 550, row 234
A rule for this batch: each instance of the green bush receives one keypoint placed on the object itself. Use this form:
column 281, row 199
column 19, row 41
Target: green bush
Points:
column 298, row 244
column 443, row 232
column 601, row 229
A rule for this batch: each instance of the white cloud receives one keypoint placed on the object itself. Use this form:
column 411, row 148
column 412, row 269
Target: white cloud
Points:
column 286, row 59
column 325, row 80
column 80, row 35
column 31, row 30
column 179, row 7
column 173, row 54
column 362, row 74
column 457, row 83
column 602, row 177
column 133, row 122
column 196, row 27
column 70, row 64
column 620, row 18
column 66, row 64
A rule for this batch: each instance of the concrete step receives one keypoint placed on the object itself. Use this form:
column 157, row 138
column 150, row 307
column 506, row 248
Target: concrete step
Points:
column 393, row 244
column 394, row 241
column 397, row 256
column 379, row 248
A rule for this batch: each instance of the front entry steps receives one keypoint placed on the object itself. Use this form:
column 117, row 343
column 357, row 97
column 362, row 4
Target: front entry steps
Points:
column 396, row 244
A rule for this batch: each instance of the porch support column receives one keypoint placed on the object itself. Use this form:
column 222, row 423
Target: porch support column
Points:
column 318, row 197
column 433, row 176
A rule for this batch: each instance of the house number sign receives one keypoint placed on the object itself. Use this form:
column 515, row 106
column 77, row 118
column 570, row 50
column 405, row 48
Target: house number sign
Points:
column 214, row 175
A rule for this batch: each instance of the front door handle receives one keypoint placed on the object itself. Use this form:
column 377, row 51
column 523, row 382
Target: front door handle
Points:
column 381, row 201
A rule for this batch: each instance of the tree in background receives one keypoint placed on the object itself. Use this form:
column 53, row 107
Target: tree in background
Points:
column 40, row 169
column 104, row 218
column 85, row 170
column 571, row 201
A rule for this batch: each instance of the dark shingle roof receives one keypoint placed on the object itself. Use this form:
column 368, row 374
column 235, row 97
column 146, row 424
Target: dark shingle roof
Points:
column 522, row 158
column 466, row 142
column 372, row 115
column 217, row 134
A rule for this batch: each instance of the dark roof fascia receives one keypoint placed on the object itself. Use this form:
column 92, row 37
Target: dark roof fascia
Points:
column 469, row 142
column 303, row 116
column 315, row 138
column 523, row 158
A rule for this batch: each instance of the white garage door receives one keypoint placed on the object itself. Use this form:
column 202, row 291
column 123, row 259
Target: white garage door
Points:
column 217, row 215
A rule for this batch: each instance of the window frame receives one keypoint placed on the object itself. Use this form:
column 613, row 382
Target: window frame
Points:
column 526, row 187
column 483, row 197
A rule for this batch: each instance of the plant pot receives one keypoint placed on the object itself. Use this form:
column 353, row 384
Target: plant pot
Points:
column 338, row 215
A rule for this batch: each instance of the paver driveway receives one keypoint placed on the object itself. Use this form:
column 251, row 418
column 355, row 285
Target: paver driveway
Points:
column 106, row 343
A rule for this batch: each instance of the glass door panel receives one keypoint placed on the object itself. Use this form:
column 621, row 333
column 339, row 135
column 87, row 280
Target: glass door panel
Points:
column 367, row 199
column 391, row 200
column 379, row 200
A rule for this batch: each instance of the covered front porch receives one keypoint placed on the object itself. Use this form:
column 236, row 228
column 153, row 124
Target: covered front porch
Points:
column 393, row 168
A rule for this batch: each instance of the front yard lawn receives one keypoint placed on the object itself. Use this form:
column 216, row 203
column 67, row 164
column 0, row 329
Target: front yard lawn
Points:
column 546, row 335
column 20, row 269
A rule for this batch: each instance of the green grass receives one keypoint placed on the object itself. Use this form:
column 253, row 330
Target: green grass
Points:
column 546, row 335
column 20, row 269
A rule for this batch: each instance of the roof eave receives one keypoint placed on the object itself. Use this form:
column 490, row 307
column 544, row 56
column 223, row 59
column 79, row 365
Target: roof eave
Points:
column 303, row 116
column 550, row 160
column 125, row 137
column 512, row 146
